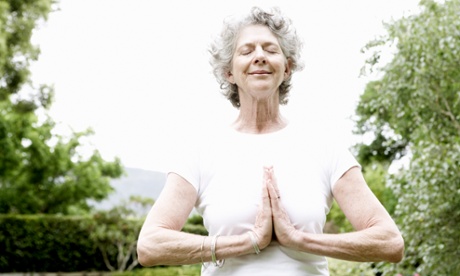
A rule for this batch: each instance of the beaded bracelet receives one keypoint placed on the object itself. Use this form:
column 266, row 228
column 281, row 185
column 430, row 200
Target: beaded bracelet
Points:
column 217, row 263
column 254, row 242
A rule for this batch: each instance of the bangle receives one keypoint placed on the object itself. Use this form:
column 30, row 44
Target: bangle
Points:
column 201, row 253
column 254, row 242
column 217, row 263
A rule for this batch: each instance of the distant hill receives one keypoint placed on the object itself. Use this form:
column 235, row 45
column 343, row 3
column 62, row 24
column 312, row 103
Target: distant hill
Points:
column 136, row 182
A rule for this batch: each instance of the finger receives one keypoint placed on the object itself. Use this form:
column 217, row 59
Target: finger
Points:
column 274, row 196
column 278, row 210
column 263, row 225
column 272, row 185
column 267, row 172
column 265, row 187
column 266, row 204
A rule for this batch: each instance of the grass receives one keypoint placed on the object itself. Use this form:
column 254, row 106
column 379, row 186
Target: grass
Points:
column 340, row 268
column 336, row 268
column 184, row 270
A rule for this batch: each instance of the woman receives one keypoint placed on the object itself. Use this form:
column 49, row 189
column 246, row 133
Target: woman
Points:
column 264, row 185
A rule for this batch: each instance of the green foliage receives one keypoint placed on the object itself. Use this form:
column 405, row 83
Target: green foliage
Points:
column 381, row 150
column 40, row 171
column 413, row 109
column 115, row 233
column 195, row 225
column 18, row 19
column 55, row 243
column 340, row 268
column 336, row 268
column 52, row 243
column 44, row 173
column 47, row 243
column 430, row 208
column 182, row 270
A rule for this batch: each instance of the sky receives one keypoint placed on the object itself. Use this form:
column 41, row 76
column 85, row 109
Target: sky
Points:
column 137, row 72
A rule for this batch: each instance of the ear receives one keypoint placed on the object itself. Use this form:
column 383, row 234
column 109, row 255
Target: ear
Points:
column 287, row 71
column 230, row 78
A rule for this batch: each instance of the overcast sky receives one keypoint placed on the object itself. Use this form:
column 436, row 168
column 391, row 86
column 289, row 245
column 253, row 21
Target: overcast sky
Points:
column 137, row 71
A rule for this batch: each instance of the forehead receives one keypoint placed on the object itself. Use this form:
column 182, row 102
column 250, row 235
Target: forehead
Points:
column 254, row 34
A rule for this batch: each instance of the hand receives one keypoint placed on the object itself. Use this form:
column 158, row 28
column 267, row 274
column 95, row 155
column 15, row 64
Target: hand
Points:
column 263, row 227
column 284, row 229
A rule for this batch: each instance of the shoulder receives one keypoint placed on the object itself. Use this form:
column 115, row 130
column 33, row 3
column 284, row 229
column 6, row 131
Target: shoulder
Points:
column 321, row 137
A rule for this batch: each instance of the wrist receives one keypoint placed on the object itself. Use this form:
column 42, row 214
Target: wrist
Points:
column 296, row 239
column 254, row 243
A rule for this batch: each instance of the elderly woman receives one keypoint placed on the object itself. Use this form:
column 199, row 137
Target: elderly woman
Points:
column 264, row 185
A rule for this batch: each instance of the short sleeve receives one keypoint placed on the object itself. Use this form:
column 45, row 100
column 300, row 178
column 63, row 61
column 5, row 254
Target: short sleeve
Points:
column 341, row 160
column 185, row 163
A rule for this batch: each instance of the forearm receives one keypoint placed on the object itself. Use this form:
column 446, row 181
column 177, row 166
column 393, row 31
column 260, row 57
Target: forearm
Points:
column 370, row 245
column 169, row 247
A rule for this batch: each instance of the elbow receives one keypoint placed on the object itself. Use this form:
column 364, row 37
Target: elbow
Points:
column 396, row 253
column 143, row 254
column 146, row 254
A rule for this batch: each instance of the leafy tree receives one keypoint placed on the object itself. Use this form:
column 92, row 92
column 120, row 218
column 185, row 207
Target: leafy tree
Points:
column 18, row 19
column 40, row 171
column 413, row 110
column 115, row 233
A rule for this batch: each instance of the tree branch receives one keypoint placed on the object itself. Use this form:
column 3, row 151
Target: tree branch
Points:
column 449, row 114
column 106, row 259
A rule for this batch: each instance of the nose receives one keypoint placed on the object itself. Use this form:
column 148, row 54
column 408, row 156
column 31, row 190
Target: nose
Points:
column 259, row 56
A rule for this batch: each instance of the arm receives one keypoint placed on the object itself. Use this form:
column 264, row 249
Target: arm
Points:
column 162, row 243
column 376, row 238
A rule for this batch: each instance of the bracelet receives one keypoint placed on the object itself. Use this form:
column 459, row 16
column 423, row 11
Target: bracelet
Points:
column 217, row 263
column 254, row 242
column 201, row 253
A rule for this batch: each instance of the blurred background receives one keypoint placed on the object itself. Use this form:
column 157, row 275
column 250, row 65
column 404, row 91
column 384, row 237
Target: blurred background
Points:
column 96, row 97
column 138, row 73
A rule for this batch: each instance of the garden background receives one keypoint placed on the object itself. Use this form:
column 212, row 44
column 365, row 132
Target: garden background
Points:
column 404, row 127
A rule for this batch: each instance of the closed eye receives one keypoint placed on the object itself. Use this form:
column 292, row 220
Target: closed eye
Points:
column 272, row 51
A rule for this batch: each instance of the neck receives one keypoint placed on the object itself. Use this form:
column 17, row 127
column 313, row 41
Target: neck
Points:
column 261, row 116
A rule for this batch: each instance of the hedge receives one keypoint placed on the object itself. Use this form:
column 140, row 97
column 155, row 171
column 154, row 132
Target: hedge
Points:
column 54, row 243
column 47, row 243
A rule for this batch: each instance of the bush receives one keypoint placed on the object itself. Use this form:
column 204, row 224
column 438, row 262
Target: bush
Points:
column 47, row 243
column 194, row 225
column 56, row 243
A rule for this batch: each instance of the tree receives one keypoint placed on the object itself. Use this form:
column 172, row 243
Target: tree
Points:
column 40, row 170
column 413, row 111
column 115, row 232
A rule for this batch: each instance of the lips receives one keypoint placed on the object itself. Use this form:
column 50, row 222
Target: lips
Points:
column 259, row 72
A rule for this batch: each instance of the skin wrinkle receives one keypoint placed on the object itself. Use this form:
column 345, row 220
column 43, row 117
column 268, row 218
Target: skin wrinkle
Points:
column 263, row 114
column 169, row 257
column 161, row 241
column 259, row 111
column 356, row 218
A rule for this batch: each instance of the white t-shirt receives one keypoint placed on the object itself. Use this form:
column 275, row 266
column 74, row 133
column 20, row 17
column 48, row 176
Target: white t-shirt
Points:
column 226, row 169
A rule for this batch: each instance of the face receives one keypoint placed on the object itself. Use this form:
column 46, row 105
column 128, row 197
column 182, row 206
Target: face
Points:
column 259, row 65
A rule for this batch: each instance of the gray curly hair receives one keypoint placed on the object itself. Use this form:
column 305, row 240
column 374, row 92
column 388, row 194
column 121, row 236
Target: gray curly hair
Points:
column 222, row 48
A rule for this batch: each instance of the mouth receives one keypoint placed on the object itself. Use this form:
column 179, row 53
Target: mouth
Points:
column 260, row 72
